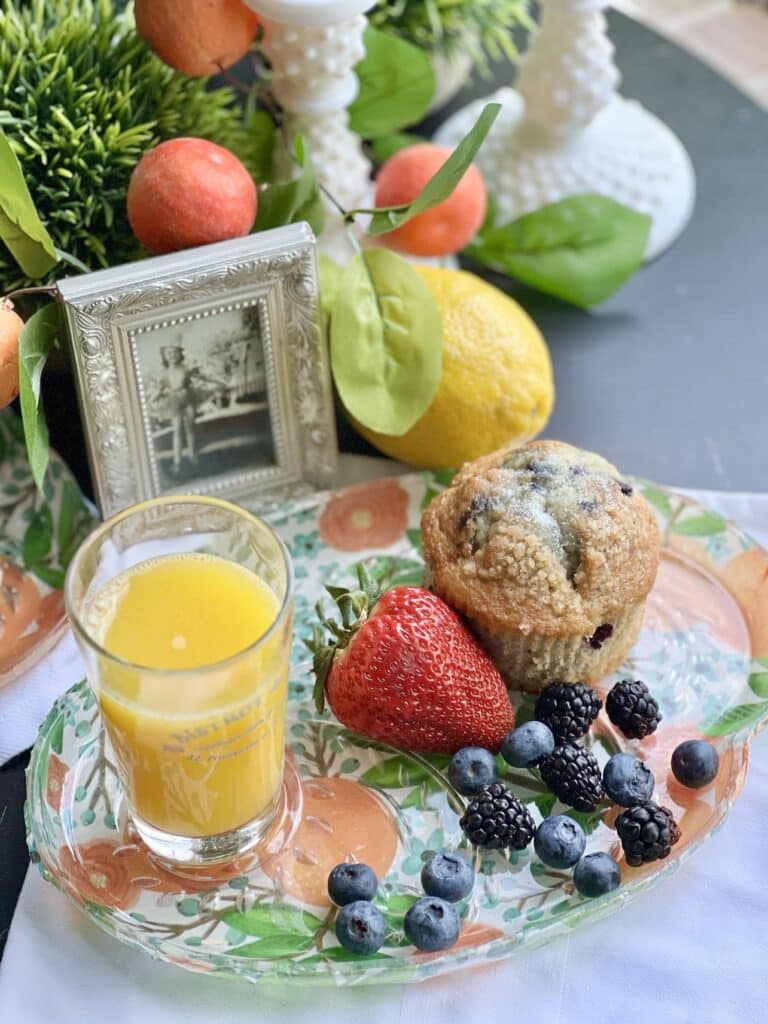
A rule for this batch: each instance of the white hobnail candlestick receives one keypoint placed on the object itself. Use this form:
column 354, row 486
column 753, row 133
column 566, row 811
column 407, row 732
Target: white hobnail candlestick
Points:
column 313, row 47
column 566, row 130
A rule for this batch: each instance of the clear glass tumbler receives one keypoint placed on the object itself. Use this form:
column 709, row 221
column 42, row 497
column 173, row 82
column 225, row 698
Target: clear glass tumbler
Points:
column 182, row 608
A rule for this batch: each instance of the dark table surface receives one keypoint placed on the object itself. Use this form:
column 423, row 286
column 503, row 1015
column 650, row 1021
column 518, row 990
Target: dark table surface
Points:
column 669, row 378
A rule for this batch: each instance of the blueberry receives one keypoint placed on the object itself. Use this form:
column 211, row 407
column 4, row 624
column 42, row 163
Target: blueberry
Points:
column 448, row 876
column 350, row 882
column 360, row 927
column 596, row 874
column 627, row 781
column 431, row 924
column 695, row 763
column 559, row 841
column 527, row 744
column 472, row 769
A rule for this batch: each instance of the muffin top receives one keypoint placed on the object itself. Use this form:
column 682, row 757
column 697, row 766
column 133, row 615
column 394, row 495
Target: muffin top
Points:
column 541, row 537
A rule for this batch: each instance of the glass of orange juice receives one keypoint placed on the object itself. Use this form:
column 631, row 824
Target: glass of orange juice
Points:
column 182, row 608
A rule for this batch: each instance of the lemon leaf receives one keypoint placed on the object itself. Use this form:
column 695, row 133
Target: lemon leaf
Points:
column 20, row 226
column 38, row 337
column 443, row 181
column 386, row 342
column 396, row 85
column 580, row 249
column 293, row 201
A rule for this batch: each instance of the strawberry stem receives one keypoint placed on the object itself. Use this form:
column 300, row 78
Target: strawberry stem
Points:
column 354, row 607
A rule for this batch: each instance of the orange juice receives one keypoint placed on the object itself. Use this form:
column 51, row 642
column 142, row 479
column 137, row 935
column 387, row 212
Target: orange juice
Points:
column 199, row 744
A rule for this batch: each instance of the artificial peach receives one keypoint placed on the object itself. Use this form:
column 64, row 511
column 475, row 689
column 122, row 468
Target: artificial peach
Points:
column 10, row 329
column 188, row 192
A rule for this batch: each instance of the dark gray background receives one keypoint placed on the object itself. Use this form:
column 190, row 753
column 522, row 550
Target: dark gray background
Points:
column 668, row 378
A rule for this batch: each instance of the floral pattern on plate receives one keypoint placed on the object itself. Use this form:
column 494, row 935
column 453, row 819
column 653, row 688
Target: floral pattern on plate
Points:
column 702, row 651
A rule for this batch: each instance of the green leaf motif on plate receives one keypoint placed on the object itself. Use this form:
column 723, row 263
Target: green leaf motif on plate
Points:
column 386, row 342
column 396, row 772
column 758, row 683
column 658, row 499
column 396, row 85
column 293, row 201
column 703, row 525
column 443, row 181
column 580, row 249
column 20, row 226
column 274, row 947
column 742, row 716
column 36, row 340
column 266, row 921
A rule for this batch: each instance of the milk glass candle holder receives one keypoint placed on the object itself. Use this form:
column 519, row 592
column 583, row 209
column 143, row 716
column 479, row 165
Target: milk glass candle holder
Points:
column 182, row 608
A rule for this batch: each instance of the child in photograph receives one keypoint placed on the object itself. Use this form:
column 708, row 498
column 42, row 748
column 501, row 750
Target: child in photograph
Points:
column 181, row 400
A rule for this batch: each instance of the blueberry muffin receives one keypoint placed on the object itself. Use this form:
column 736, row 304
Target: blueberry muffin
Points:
column 549, row 554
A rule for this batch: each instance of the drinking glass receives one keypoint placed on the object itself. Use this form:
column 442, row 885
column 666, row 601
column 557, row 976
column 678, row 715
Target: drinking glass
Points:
column 199, row 749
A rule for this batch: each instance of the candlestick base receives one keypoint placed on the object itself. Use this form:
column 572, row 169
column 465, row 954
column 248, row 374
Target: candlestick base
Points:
column 625, row 153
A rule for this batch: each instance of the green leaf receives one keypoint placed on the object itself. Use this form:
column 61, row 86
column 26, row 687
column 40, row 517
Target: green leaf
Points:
column 38, row 336
column 386, row 342
column 293, row 201
column 443, row 181
column 580, row 249
column 330, row 278
column 737, row 718
column 337, row 954
column 20, row 226
column 275, row 946
column 396, row 772
column 703, row 525
column 265, row 921
column 262, row 146
column 658, row 499
column 387, row 145
column 38, row 537
column 53, row 577
column 72, row 513
column 545, row 802
column 414, row 536
column 758, row 683
column 589, row 820
column 396, row 85
column 56, row 735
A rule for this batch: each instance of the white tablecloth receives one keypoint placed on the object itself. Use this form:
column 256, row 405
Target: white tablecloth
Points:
column 695, row 949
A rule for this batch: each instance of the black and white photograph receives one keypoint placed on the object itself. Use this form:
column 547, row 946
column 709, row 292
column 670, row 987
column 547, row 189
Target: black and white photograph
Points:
column 206, row 397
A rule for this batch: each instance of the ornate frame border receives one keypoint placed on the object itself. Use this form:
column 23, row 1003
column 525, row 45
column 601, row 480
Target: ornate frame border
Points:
column 107, row 310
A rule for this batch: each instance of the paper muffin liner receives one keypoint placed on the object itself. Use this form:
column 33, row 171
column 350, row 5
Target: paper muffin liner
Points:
column 531, row 661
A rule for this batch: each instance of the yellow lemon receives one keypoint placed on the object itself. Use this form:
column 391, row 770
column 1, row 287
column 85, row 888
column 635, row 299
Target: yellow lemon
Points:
column 496, row 384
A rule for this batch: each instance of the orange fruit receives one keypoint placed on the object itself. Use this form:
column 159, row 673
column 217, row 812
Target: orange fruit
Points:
column 10, row 328
column 188, row 192
column 447, row 227
column 341, row 821
column 197, row 37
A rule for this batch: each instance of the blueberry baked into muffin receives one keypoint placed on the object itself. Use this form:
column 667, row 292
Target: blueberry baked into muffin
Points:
column 549, row 554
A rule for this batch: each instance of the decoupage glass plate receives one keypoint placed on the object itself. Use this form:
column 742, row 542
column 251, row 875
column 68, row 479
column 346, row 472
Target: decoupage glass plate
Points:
column 703, row 651
column 39, row 533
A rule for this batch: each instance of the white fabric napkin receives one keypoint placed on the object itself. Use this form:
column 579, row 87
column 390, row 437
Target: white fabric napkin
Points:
column 693, row 949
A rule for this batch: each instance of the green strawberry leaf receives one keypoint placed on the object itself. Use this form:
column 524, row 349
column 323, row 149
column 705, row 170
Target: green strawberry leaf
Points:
column 396, row 85
column 20, row 226
column 580, row 249
column 742, row 716
column 443, row 181
column 658, row 499
column 758, row 683
column 386, row 342
column 703, row 525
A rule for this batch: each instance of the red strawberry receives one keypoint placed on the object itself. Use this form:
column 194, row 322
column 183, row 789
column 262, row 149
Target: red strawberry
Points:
column 409, row 673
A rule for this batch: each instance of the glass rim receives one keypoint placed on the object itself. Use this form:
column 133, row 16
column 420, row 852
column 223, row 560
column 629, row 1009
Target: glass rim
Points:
column 175, row 499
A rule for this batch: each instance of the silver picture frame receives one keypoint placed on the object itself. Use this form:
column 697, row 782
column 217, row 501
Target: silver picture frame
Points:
column 205, row 372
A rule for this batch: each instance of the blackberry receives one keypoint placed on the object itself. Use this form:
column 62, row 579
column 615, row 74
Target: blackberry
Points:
column 573, row 775
column 632, row 709
column 647, row 832
column 497, row 820
column 568, row 709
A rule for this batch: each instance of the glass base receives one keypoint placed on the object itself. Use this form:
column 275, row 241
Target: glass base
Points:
column 241, row 847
